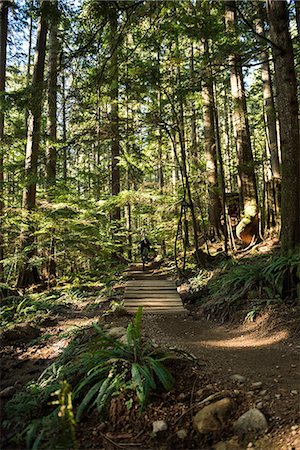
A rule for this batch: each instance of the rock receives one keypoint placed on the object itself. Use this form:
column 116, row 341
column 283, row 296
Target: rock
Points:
column 259, row 405
column 252, row 423
column 213, row 417
column 7, row 392
column 231, row 444
column 123, row 339
column 182, row 434
column 181, row 396
column 257, row 385
column 294, row 427
column 238, row 378
column 263, row 392
column 116, row 332
column 277, row 396
column 200, row 393
column 159, row 425
column 294, row 392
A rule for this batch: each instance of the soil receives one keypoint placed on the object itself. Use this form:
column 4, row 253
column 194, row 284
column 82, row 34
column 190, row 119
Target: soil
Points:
column 263, row 351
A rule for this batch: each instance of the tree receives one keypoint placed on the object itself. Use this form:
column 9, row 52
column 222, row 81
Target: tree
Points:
column 114, row 113
column 273, row 184
column 51, row 153
column 28, row 272
column 214, row 204
column 4, row 5
column 248, row 226
column 288, row 109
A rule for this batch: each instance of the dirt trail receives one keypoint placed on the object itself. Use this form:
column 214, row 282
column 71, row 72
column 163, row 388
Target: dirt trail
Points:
column 263, row 354
column 270, row 358
column 260, row 354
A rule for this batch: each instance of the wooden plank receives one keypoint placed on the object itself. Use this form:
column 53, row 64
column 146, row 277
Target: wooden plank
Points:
column 180, row 311
column 151, row 295
column 154, row 303
column 151, row 288
column 150, row 283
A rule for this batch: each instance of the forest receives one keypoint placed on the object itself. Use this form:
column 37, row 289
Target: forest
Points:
column 174, row 121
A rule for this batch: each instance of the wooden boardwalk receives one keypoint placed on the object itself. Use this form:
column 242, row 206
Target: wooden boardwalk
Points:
column 151, row 290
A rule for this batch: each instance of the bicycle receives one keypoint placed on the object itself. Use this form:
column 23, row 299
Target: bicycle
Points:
column 144, row 255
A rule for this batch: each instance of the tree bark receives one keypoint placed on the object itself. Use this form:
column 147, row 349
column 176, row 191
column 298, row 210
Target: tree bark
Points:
column 248, row 226
column 64, row 123
column 51, row 153
column 29, row 274
column 272, row 185
column 28, row 68
column 214, row 204
column 285, row 78
column 114, row 115
column 297, row 7
column 4, row 5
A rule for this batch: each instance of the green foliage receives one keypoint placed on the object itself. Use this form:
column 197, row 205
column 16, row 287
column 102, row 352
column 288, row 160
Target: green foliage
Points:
column 266, row 276
column 118, row 367
column 30, row 308
column 57, row 429
column 99, row 367
column 250, row 284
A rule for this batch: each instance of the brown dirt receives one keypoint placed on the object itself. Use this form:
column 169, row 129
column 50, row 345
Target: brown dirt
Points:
column 257, row 351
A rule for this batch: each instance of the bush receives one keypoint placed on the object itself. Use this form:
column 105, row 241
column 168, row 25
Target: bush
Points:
column 100, row 367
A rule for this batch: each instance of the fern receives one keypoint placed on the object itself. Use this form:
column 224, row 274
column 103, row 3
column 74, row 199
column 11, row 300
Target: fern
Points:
column 135, row 365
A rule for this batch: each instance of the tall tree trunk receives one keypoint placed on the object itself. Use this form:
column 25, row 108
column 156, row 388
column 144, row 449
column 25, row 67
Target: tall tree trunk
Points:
column 64, row 122
column 297, row 7
column 272, row 185
column 193, row 115
column 3, row 46
column 28, row 67
column 51, row 153
column 29, row 274
column 214, row 204
column 114, row 115
column 287, row 103
column 199, row 254
column 248, row 226
column 221, row 166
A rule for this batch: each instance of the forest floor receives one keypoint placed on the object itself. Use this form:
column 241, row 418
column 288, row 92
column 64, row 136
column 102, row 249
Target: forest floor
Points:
column 264, row 353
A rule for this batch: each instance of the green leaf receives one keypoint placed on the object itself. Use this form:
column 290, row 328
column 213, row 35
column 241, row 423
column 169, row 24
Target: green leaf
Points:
column 137, row 379
column 87, row 399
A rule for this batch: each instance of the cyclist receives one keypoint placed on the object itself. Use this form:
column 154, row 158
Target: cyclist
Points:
column 145, row 246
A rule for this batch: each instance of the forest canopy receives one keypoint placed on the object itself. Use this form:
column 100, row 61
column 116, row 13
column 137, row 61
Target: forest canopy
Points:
column 118, row 118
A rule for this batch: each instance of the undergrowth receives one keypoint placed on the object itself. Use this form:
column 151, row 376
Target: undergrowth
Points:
column 32, row 308
column 247, row 285
column 98, row 367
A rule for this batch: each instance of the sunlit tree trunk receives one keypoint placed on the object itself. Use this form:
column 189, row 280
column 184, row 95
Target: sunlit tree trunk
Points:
column 248, row 226
column 288, row 109
column 272, row 185
column 28, row 66
column 297, row 7
column 4, row 5
column 29, row 274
